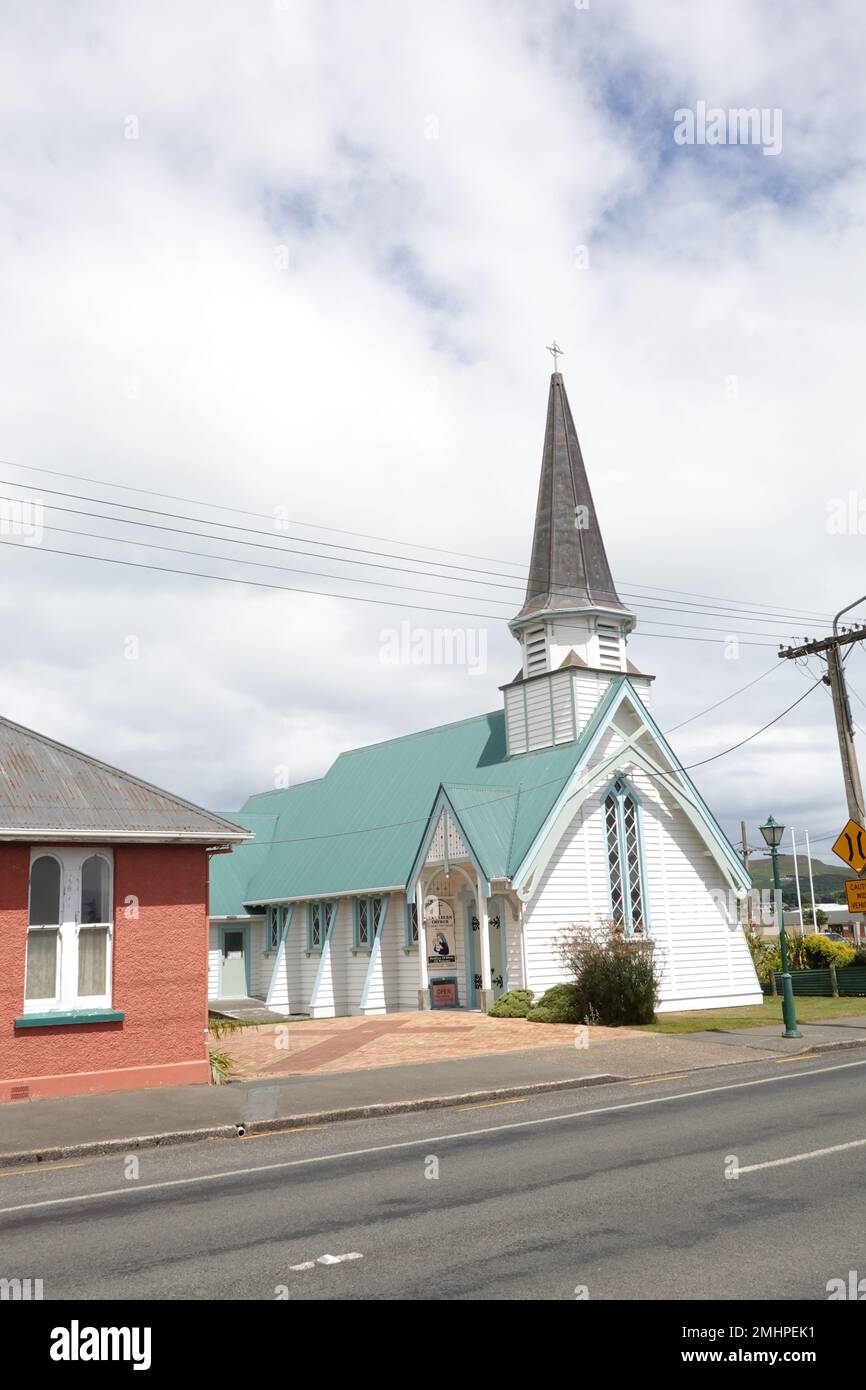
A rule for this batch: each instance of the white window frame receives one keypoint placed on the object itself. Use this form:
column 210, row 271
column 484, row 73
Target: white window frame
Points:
column 66, row 998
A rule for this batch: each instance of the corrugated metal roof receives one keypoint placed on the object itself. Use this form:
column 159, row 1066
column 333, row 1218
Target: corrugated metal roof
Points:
column 49, row 790
column 359, row 827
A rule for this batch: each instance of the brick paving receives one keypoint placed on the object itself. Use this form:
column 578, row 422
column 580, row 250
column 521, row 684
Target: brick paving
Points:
column 324, row 1045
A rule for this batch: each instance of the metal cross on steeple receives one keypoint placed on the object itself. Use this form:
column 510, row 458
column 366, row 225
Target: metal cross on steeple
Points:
column 555, row 351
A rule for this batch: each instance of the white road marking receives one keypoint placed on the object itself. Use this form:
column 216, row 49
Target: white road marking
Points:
column 284, row 1164
column 328, row 1260
column 801, row 1158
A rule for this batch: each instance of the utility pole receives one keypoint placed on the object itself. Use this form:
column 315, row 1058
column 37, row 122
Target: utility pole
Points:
column 829, row 648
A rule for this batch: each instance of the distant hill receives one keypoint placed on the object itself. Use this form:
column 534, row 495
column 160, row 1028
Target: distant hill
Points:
column 829, row 878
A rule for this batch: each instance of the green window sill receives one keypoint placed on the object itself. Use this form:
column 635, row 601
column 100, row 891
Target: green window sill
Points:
column 70, row 1017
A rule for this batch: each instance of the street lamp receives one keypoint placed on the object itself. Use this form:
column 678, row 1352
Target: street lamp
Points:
column 772, row 833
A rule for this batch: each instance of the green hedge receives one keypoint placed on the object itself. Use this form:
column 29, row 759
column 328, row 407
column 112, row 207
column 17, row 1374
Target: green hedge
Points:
column 516, row 1003
column 559, row 1004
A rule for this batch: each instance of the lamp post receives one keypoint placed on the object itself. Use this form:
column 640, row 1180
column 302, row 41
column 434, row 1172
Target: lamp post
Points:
column 772, row 833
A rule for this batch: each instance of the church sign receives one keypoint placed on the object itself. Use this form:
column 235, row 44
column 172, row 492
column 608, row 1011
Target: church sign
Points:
column 439, row 931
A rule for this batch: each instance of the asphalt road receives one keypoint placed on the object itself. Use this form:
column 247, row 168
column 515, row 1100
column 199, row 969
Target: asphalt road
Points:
column 615, row 1192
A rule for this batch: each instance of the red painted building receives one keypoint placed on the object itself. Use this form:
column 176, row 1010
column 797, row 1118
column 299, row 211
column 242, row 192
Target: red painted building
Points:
column 103, row 925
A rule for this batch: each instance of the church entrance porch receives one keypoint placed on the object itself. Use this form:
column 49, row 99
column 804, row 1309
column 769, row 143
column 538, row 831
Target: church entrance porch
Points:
column 464, row 941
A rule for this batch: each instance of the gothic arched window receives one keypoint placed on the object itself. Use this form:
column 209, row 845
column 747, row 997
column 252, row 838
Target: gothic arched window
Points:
column 622, row 839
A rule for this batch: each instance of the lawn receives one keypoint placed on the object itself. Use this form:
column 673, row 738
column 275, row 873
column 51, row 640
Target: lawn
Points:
column 809, row 1010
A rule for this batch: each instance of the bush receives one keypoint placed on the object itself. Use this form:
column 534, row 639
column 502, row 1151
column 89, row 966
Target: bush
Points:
column 819, row 952
column 516, row 1003
column 765, row 956
column 559, row 1004
column 617, row 977
column 859, row 956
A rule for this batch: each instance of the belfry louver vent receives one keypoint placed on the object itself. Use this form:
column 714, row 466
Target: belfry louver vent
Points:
column 536, row 651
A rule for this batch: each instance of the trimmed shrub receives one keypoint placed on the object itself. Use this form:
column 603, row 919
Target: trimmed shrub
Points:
column 559, row 1004
column 819, row 952
column 516, row 1003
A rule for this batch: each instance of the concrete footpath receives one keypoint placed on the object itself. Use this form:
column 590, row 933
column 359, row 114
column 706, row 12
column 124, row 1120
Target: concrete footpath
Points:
column 40, row 1131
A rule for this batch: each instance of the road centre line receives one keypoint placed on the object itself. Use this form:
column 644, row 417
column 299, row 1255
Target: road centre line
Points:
column 801, row 1158
column 135, row 1188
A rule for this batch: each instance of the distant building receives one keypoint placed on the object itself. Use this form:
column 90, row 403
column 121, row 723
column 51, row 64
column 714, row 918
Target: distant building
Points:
column 439, row 868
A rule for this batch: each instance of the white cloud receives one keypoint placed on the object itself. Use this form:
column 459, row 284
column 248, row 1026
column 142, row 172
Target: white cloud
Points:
column 391, row 379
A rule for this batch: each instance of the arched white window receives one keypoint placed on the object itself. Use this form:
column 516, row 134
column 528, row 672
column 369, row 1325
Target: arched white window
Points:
column 70, row 913
column 42, row 974
column 94, row 930
column 44, row 892
column 95, row 885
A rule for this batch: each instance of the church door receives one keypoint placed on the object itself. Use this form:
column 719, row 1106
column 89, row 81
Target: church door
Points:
column 496, row 931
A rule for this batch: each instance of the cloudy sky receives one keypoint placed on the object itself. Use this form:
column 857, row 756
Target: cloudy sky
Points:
column 292, row 268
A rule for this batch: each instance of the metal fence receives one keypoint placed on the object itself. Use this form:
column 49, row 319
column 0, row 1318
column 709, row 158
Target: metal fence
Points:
column 846, row 980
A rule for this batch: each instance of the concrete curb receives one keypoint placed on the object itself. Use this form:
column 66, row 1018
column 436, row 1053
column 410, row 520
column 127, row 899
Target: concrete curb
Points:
column 306, row 1120
column 299, row 1121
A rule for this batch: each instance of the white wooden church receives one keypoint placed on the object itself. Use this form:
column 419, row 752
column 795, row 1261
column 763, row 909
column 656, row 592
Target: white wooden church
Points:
column 437, row 869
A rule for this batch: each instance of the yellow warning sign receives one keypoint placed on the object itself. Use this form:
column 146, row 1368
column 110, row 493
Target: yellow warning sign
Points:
column 851, row 846
column 855, row 892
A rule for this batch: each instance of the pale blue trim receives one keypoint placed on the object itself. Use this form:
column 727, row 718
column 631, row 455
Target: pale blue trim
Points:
column 442, row 801
column 408, row 943
column 503, row 938
column 331, row 909
column 619, row 690
column 375, row 949
column 369, row 898
column 320, row 903
column 620, row 797
column 281, row 955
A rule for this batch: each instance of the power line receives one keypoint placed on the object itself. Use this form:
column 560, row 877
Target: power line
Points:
column 651, row 606
column 769, row 725
column 316, row 593
column 784, row 613
column 723, row 701
column 320, row 574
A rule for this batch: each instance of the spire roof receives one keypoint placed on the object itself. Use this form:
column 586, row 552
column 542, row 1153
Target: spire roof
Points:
column 569, row 570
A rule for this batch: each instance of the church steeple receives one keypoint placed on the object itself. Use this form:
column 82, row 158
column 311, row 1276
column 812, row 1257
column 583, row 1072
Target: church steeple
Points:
column 569, row 570
column 573, row 627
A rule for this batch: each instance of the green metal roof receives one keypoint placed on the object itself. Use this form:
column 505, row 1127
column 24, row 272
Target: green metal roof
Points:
column 359, row 827
column 229, row 875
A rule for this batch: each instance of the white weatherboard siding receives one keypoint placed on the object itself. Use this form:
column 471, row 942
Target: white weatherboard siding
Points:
column 408, row 966
column 259, row 965
column 563, row 896
column 382, row 964
column 286, row 993
column 705, row 964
